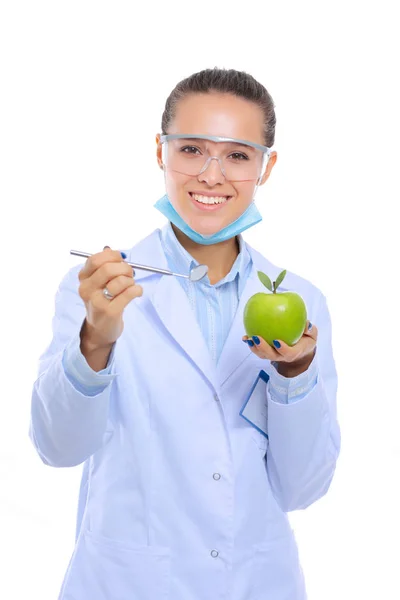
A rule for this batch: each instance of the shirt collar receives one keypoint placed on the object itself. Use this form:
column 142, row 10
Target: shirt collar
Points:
column 181, row 261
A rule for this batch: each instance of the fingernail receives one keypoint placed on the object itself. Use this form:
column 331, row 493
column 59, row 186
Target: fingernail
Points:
column 250, row 343
column 256, row 339
column 277, row 344
column 309, row 326
column 123, row 254
column 245, row 341
column 106, row 247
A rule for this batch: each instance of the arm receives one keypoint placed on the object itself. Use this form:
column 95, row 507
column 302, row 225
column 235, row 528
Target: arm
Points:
column 304, row 436
column 69, row 412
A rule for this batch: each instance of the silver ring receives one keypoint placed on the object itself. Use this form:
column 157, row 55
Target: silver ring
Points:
column 107, row 294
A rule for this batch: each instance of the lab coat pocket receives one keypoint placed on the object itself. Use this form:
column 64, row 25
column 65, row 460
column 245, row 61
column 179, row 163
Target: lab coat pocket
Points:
column 276, row 570
column 106, row 569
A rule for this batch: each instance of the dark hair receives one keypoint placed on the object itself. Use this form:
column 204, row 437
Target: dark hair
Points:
column 225, row 81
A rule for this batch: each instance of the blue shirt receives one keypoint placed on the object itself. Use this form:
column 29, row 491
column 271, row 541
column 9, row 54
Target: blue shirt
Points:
column 214, row 306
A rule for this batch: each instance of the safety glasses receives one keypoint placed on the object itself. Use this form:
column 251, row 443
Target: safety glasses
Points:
column 239, row 160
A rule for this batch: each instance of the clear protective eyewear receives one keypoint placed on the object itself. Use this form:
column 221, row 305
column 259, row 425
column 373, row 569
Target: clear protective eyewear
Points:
column 239, row 160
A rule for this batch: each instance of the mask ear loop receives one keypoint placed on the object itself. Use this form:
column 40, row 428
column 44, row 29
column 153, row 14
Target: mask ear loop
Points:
column 263, row 169
column 164, row 151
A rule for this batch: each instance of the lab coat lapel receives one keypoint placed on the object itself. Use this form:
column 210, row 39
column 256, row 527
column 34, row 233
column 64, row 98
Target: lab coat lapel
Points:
column 176, row 315
column 172, row 306
column 235, row 351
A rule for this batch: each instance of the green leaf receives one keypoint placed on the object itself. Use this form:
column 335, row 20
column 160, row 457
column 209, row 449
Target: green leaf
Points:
column 281, row 277
column 265, row 280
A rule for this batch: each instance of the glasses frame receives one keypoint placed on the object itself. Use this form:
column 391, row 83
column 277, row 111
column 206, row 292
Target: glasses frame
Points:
column 216, row 138
column 213, row 138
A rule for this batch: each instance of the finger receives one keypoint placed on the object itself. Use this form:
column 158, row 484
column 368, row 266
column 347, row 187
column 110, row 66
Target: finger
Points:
column 95, row 261
column 107, row 272
column 260, row 347
column 118, row 285
column 118, row 304
column 287, row 353
column 124, row 256
column 311, row 330
column 100, row 278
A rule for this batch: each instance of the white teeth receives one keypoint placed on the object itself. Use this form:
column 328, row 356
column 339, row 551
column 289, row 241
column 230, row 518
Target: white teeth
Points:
column 210, row 199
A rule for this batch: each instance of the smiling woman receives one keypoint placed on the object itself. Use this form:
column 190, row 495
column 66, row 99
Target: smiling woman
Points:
column 184, row 493
column 217, row 138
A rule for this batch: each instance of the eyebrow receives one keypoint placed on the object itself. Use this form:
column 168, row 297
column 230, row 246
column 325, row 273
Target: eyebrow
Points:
column 237, row 144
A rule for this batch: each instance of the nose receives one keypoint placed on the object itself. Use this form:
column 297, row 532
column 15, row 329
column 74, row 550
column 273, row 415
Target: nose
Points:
column 212, row 172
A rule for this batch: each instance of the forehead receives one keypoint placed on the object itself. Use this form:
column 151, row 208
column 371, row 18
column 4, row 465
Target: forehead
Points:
column 219, row 114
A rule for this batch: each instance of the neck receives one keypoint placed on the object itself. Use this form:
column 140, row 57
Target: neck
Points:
column 219, row 258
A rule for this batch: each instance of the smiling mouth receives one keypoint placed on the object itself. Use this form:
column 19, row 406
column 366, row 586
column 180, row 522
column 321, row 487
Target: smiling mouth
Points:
column 209, row 200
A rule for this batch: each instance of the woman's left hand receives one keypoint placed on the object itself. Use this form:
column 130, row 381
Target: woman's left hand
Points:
column 299, row 353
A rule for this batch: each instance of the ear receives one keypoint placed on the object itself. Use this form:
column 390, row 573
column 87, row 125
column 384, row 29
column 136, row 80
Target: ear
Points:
column 159, row 151
column 271, row 162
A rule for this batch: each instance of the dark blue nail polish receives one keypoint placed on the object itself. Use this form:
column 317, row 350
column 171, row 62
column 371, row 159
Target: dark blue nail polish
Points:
column 123, row 254
column 250, row 343
column 309, row 326
column 245, row 341
column 277, row 344
column 256, row 340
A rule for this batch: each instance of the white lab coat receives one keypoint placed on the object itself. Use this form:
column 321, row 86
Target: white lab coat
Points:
column 181, row 498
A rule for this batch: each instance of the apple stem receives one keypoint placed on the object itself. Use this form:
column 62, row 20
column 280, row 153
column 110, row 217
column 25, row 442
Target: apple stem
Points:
column 274, row 290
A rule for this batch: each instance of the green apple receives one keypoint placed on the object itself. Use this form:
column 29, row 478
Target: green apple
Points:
column 275, row 316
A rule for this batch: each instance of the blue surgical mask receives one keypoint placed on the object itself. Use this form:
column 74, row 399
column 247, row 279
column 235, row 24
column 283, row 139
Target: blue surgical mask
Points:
column 250, row 217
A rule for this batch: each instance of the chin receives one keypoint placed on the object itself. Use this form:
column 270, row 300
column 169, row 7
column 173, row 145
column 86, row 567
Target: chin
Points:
column 206, row 229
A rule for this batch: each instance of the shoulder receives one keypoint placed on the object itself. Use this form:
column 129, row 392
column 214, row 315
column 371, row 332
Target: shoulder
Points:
column 149, row 252
column 146, row 245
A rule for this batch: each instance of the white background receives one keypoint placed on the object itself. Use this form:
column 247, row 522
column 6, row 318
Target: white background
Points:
column 83, row 89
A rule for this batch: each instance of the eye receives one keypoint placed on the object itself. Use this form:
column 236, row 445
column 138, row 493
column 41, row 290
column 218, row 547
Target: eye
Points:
column 190, row 150
column 238, row 156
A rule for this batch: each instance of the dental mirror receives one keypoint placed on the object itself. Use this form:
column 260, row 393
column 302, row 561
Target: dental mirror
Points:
column 195, row 274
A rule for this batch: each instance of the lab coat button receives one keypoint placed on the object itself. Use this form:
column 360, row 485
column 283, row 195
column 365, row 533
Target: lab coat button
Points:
column 214, row 553
column 217, row 476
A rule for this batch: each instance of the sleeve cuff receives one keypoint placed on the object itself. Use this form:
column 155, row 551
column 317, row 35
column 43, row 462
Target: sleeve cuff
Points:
column 286, row 390
column 81, row 375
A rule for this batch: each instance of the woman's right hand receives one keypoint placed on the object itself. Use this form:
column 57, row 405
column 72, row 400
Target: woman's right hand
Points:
column 104, row 323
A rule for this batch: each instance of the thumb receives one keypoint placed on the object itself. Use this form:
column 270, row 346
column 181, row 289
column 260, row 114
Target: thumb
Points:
column 311, row 330
column 308, row 327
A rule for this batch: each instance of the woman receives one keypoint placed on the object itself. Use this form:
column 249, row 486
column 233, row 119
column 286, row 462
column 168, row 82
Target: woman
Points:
column 146, row 377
